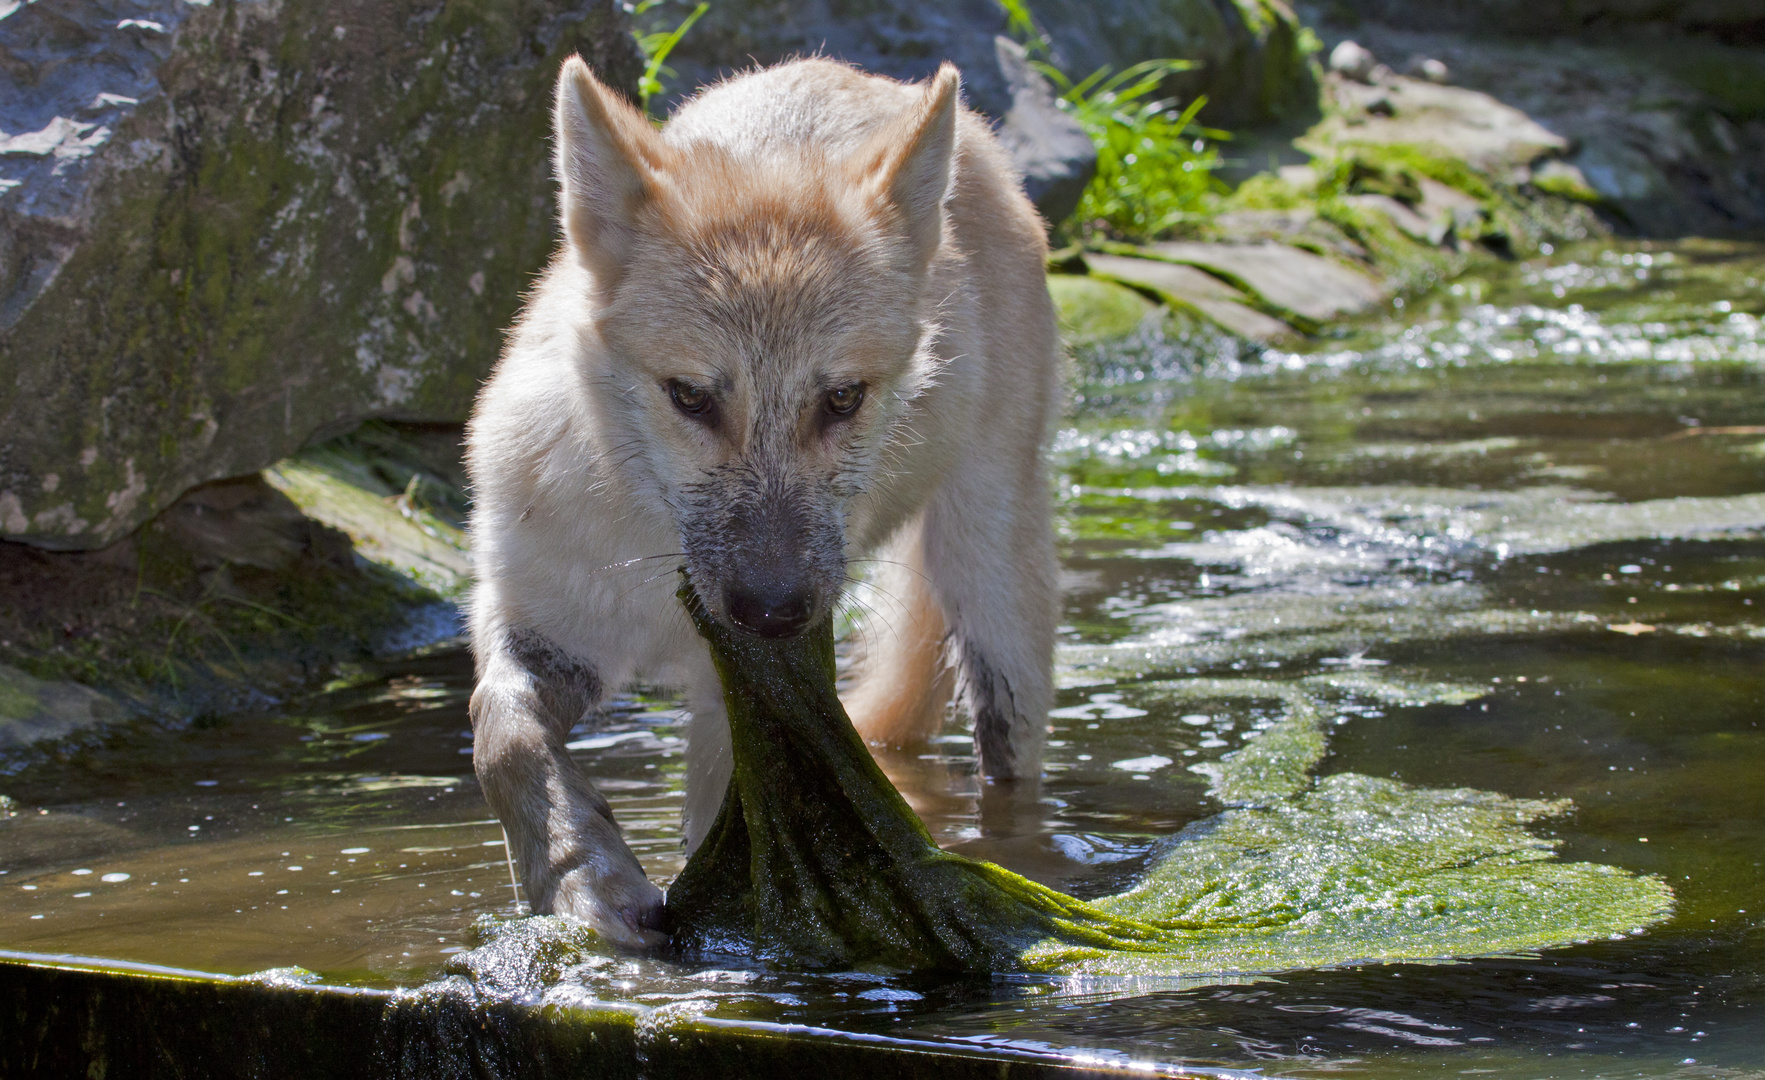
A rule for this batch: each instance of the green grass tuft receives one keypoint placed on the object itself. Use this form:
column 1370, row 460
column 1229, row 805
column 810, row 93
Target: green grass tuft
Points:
column 1155, row 161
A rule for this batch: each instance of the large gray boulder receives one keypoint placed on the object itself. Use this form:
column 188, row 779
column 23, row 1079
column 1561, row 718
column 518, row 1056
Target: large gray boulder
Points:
column 1250, row 55
column 228, row 227
column 1742, row 18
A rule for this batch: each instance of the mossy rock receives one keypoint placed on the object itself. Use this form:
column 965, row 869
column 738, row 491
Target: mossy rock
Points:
column 257, row 585
column 1252, row 57
column 308, row 214
column 1093, row 310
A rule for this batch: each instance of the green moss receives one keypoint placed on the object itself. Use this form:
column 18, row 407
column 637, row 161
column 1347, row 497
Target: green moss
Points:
column 15, row 701
column 1266, row 191
column 1555, row 178
column 393, row 529
column 1091, row 309
column 1408, row 265
column 1391, row 168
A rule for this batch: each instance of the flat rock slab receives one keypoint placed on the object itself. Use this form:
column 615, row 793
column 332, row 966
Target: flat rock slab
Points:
column 33, row 709
column 1442, row 211
column 1287, row 278
column 1467, row 124
column 1188, row 287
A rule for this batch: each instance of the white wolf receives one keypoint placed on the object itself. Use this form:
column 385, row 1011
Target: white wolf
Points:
column 804, row 323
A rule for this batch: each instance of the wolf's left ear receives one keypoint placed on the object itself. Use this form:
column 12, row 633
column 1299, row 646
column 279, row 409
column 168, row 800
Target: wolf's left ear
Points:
column 607, row 158
column 912, row 168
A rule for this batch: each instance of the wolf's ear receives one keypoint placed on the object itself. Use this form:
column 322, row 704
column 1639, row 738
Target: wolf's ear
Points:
column 912, row 165
column 606, row 160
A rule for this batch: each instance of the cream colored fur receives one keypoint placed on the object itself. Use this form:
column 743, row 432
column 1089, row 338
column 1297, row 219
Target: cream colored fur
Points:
column 789, row 233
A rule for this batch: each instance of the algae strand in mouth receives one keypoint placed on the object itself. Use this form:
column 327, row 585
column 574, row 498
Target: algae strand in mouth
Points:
column 816, row 861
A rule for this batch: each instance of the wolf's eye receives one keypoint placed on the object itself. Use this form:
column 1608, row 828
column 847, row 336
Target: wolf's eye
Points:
column 845, row 400
column 688, row 398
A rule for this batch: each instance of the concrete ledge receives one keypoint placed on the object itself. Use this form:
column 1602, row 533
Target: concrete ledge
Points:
column 81, row 1017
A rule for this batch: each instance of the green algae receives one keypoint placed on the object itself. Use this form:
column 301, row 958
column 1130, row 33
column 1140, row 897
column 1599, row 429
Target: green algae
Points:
column 815, row 861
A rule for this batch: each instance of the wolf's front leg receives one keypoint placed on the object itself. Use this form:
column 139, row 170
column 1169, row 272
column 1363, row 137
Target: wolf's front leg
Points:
column 989, row 554
column 562, row 837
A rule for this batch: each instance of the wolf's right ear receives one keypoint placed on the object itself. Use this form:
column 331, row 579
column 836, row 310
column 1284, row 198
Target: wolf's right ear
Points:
column 607, row 158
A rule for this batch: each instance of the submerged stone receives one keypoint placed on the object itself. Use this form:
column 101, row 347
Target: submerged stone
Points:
column 32, row 709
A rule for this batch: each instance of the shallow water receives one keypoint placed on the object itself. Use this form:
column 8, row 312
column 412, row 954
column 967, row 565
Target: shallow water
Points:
column 1546, row 484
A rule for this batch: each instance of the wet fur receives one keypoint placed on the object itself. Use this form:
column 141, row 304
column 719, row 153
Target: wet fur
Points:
column 791, row 231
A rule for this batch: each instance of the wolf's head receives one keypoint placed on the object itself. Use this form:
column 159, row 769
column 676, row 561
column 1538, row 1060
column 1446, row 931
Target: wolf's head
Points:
column 761, row 326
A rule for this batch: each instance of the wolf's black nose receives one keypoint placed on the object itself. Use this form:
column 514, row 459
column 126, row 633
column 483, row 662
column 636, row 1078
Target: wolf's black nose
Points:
column 769, row 613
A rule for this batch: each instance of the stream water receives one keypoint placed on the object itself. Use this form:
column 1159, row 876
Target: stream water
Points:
column 1542, row 489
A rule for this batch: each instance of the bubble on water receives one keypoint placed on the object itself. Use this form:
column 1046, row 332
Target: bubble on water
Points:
column 1141, row 764
column 355, row 851
column 114, row 878
column 883, row 993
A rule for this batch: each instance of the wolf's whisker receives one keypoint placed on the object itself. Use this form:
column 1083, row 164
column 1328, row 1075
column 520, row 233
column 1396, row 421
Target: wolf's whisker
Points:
column 645, row 581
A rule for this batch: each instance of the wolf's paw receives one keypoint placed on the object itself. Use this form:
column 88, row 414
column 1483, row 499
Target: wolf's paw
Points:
column 622, row 905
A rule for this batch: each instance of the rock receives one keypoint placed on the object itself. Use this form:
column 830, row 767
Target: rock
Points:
column 1400, row 214
column 1301, row 227
column 1053, row 153
column 1190, row 289
column 1666, row 131
column 1438, row 215
column 395, row 529
column 1252, row 63
column 1562, row 178
column 228, row 229
column 1352, row 60
column 1296, row 282
column 1427, row 68
column 238, row 590
column 1474, row 127
column 1625, row 178
column 35, row 710
column 1095, row 309
column 1735, row 17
